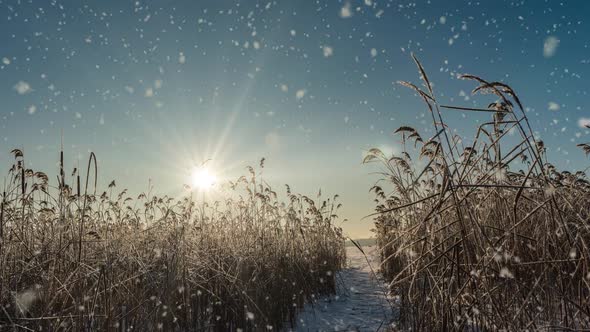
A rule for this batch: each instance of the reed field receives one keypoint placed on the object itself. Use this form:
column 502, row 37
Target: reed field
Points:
column 482, row 234
column 463, row 201
column 74, row 257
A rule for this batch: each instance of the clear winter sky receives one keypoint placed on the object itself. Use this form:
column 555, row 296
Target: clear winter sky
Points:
column 153, row 87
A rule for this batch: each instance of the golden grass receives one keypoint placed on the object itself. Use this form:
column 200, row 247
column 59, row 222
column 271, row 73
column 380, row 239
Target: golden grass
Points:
column 73, row 259
column 486, row 234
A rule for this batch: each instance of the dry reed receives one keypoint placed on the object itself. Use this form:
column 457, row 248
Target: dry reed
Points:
column 73, row 259
column 486, row 234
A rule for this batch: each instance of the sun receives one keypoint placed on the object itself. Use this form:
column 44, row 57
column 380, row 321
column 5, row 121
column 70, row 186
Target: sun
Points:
column 203, row 178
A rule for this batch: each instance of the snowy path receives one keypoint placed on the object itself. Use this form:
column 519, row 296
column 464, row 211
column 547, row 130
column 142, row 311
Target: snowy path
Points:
column 360, row 304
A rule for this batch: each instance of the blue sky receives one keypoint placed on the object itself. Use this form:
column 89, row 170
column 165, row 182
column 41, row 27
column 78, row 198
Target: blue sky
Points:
column 153, row 87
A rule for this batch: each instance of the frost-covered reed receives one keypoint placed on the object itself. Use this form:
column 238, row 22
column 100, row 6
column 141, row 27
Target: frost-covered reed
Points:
column 483, row 234
column 73, row 258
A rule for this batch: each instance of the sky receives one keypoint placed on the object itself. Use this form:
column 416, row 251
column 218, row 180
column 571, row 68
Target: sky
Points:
column 157, row 87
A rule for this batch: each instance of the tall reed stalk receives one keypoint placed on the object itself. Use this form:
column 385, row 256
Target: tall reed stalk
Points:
column 483, row 234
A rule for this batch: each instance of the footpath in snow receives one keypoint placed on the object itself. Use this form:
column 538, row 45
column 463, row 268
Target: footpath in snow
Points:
column 359, row 305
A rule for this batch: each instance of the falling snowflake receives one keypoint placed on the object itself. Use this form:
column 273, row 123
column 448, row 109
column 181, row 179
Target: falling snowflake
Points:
column 22, row 87
column 346, row 11
column 505, row 273
column 553, row 106
column 550, row 46
column 584, row 122
column 25, row 299
column 300, row 93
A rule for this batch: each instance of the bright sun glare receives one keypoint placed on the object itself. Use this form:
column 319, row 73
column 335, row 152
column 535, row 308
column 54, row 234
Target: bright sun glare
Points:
column 203, row 178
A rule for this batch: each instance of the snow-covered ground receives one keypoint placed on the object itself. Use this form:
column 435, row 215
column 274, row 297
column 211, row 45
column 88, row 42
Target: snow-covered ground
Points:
column 360, row 304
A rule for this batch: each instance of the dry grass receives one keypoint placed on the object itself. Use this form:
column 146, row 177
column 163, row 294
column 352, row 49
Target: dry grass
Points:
column 71, row 259
column 485, row 234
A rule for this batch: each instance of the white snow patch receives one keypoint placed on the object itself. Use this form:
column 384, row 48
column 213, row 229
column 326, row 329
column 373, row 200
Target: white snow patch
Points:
column 361, row 303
